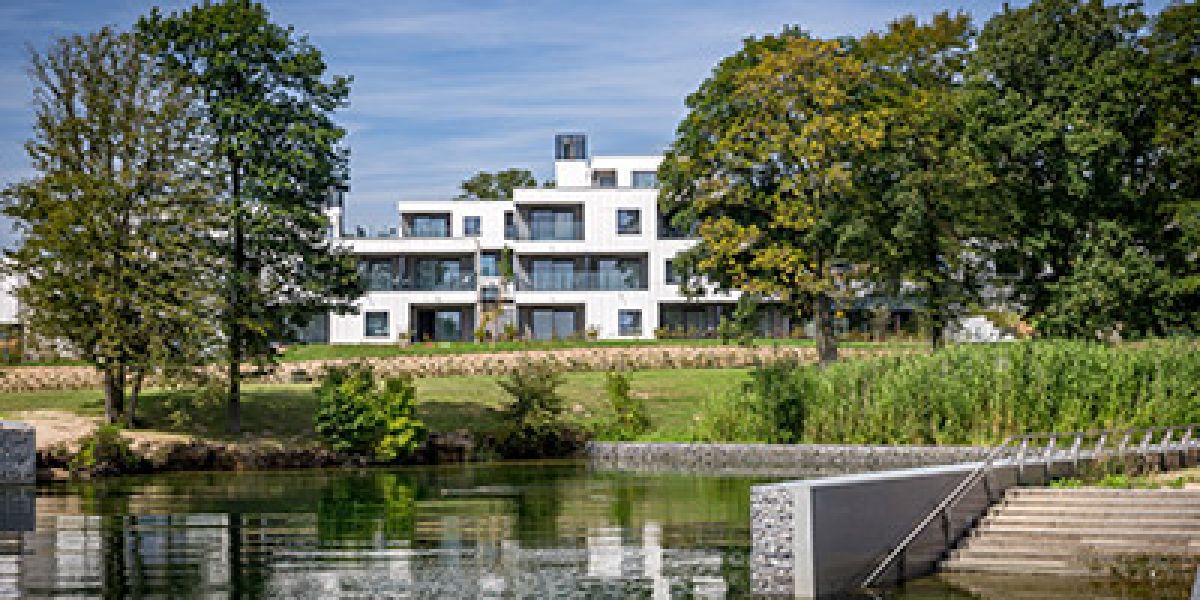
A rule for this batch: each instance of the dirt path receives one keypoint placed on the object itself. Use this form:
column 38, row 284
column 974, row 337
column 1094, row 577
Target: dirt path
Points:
column 54, row 427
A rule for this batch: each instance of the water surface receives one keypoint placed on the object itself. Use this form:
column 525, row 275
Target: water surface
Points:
column 513, row 530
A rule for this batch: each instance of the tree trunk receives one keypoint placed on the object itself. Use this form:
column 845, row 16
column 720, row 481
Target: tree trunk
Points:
column 134, row 391
column 234, row 323
column 114, row 394
column 823, row 324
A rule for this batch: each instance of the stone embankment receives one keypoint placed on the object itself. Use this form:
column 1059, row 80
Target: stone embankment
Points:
column 32, row 378
column 783, row 460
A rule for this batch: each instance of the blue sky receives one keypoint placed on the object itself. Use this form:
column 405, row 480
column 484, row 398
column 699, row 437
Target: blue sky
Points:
column 444, row 89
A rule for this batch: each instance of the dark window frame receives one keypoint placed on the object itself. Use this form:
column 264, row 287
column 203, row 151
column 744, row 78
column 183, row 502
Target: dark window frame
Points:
column 636, row 229
column 596, row 174
column 387, row 323
column 469, row 231
column 634, row 329
column 636, row 175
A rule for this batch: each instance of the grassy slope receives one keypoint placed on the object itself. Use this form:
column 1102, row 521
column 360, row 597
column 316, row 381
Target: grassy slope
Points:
column 447, row 403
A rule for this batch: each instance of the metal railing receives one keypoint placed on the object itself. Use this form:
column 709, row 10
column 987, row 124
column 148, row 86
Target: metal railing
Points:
column 1020, row 451
column 386, row 282
column 582, row 281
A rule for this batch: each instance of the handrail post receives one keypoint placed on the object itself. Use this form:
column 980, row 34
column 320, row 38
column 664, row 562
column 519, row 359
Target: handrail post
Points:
column 1098, row 453
column 1021, row 459
column 1075, row 453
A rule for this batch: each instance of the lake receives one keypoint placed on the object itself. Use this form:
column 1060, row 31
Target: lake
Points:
column 512, row 530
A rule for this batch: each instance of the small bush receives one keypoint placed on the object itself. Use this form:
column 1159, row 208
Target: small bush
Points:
column 732, row 417
column 534, row 425
column 358, row 416
column 629, row 418
column 106, row 451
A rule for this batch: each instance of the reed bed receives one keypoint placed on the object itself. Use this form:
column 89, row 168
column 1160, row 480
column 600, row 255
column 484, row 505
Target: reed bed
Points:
column 971, row 394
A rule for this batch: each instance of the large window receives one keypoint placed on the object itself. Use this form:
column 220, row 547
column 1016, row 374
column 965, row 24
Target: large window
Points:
column 376, row 324
column 645, row 179
column 629, row 221
column 510, row 225
column 553, row 323
column 378, row 273
column 427, row 226
column 629, row 322
column 489, row 264
column 471, row 226
column 604, row 178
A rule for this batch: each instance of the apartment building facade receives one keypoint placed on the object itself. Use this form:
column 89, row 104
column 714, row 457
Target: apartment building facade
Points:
column 589, row 257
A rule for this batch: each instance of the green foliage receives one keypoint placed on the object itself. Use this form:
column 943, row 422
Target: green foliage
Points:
column 267, row 108
column 742, row 325
column 972, row 394
column 1114, row 284
column 630, row 417
column 922, row 206
column 732, row 417
column 358, row 416
column 116, row 213
column 498, row 185
column 534, row 425
column 106, row 451
column 761, row 164
column 1063, row 125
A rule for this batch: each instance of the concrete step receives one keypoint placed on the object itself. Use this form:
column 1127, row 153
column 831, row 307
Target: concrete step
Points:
column 1143, row 546
column 1088, row 534
column 1027, row 566
column 1129, row 521
column 1097, row 502
column 990, row 586
column 1097, row 492
column 1098, row 512
column 983, row 550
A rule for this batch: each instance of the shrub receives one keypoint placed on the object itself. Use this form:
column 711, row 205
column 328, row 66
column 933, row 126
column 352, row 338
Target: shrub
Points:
column 106, row 451
column 358, row 416
column 732, row 417
column 534, row 425
column 629, row 418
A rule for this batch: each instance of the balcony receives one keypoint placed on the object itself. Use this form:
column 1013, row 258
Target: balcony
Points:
column 545, row 232
column 365, row 233
column 449, row 282
column 425, row 225
column 582, row 281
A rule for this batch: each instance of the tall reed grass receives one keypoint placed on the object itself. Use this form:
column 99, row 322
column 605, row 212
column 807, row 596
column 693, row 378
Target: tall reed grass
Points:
column 972, row 394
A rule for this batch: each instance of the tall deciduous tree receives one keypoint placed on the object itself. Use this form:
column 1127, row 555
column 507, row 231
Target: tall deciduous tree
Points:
column 268, row 106
column 496, row 186
column 763, row 162
column 1058, row 108
column 921, row 214
column 1174, row 80
column 114, row 222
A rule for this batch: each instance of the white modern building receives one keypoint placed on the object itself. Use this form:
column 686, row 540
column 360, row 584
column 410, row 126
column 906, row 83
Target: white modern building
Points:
column 589, row 257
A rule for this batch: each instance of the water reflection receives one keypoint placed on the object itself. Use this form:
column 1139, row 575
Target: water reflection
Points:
column 546, row 530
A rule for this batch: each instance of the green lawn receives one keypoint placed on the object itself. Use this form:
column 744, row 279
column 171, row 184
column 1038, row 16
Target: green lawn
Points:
column 445, row 403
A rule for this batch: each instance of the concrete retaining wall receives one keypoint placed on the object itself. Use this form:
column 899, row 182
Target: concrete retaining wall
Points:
column 783, row 460
column 18, row 453
column 819, row 538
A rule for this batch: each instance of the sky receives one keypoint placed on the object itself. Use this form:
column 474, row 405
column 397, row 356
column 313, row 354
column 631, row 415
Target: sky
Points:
column 444, row 89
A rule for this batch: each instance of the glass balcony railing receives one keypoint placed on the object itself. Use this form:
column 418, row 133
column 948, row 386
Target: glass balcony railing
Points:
column 563, row 231
column 582, row 281
column 428, row 230
column 385, row 282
